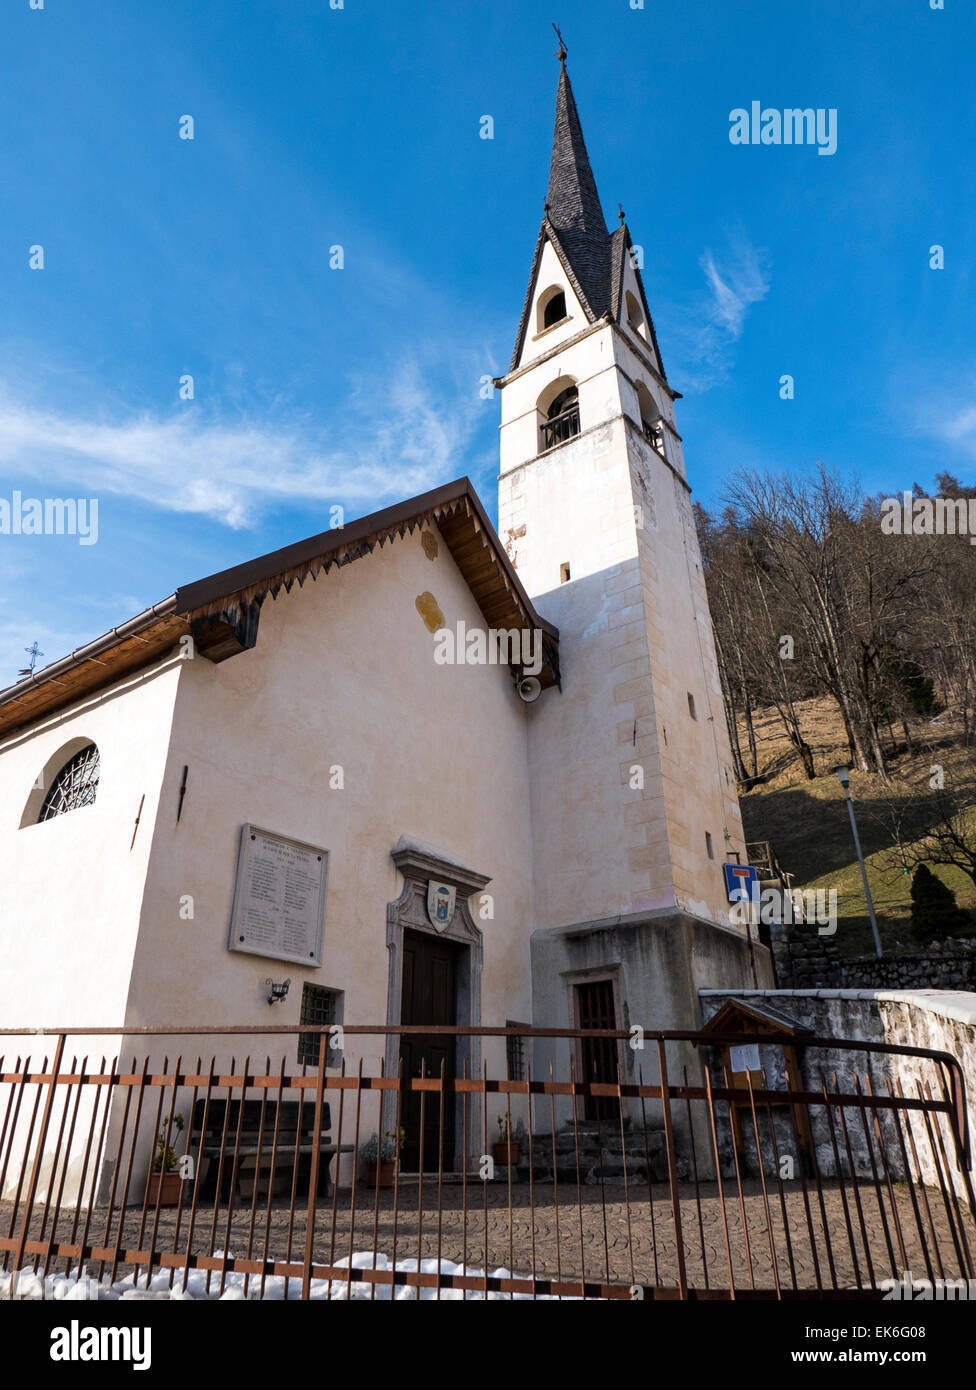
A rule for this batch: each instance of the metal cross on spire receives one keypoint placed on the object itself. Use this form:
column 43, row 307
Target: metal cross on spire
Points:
column 561, row 54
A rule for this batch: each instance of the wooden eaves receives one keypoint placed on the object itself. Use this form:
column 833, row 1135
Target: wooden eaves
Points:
column 222, row 612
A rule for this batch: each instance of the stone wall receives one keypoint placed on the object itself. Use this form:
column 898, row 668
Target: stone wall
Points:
column 805, row 960
column 656, row 962
column 936, row 1019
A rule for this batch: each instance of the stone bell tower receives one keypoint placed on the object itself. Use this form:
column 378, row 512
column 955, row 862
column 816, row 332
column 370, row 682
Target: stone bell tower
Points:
column 634, row 803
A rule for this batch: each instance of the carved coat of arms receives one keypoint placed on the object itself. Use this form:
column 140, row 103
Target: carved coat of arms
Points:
column 440, row 904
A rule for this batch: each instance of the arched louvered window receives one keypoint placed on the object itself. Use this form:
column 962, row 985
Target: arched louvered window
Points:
column 562, row 420
column 75, row 785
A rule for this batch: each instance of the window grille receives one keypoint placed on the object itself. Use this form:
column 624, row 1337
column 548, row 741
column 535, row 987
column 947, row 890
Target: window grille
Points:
column 320, row 1009
column 74, row 786
column 515, row 1052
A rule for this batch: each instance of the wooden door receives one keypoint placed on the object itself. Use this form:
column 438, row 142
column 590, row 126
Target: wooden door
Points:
column 429, row 997
column 595, row 1009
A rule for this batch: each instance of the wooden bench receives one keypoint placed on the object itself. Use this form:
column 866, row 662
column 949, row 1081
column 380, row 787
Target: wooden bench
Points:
column 253, row 1146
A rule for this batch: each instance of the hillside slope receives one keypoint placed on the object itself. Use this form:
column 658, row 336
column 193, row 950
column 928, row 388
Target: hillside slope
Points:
column 808, row 826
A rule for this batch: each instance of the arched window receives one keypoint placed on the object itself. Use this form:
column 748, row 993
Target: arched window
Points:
column 652, row 421
column 561, row 418
column 551, row 307
column 635, row 316
column 75, row 785
column 554, row 310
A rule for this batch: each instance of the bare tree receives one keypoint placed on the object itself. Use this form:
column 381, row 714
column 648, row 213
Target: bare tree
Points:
column 936, row 829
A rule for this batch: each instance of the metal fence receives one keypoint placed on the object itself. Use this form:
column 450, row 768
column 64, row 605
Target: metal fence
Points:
column 677, row 1177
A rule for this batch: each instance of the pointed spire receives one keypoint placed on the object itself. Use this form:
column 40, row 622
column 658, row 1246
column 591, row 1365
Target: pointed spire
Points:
column 573, row 220
column 574, row 204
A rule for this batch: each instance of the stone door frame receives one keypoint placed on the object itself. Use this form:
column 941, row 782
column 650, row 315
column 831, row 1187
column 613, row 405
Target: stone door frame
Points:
column 408, row 912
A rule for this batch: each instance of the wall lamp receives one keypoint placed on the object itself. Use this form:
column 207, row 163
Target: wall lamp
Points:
column 279, row 992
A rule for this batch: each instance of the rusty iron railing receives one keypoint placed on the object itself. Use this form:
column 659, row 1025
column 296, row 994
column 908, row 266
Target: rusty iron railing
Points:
column 561, row 427
column 822, row 1178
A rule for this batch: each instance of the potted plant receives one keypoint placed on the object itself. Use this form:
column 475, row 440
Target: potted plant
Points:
column 380, row 1157
column 164, row 1179
column 506, row 1149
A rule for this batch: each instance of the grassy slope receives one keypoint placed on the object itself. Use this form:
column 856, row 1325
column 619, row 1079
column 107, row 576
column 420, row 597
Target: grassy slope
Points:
column 808, row 825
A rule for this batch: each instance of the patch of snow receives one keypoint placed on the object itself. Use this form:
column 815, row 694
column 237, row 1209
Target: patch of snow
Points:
column 30, row 1286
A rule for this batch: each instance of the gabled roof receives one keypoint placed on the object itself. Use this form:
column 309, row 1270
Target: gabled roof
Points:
column 621, row 245
column 730, row 1016
column 547, row 232
column 221, row 612
column 573, row 222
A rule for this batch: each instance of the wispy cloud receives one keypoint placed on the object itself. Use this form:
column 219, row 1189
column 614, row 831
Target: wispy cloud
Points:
column 945, row 409
column 959, row 428
column 735, row 285
column 396, row 434
column 704, row 332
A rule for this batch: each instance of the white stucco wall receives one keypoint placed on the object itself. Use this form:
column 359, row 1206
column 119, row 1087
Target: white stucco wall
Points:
column 550, row 275
column 343, row 674
column 72, row 887
column 635, row 642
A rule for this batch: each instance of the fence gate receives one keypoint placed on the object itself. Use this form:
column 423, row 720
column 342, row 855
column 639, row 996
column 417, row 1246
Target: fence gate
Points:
column 212, row 1163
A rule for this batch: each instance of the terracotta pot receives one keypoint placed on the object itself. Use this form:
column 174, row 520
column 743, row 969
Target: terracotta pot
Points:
column 164, row 1188
column 507, row 1152
column 387, row 1169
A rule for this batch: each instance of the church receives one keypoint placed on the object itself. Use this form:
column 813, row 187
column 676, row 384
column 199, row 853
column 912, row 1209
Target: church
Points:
column 271, row 797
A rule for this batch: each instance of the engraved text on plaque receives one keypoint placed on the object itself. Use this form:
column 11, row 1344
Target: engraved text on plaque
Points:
column 279, row 898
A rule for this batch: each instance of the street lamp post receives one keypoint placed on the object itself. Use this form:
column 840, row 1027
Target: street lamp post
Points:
column 844, row 777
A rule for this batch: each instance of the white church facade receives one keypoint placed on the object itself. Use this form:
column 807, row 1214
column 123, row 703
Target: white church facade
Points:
column 269, row 775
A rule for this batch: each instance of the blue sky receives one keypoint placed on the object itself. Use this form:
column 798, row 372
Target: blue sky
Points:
column 360, row 127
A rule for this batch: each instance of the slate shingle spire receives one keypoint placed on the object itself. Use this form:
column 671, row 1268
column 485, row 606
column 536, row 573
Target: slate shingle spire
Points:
column 593, row 258
column 573, row 208
column 573, row 204
column 573, row 218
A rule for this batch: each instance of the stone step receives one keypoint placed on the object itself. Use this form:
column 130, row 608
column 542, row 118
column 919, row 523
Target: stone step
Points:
column 589, row 1173
column 590, row 1144
column 607, row 1162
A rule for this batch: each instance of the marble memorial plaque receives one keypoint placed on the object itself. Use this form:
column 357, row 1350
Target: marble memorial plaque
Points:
column 279, row 898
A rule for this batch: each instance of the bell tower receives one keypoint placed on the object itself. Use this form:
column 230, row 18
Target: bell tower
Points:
column 634, row 802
